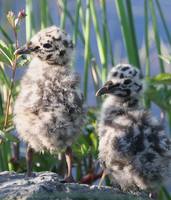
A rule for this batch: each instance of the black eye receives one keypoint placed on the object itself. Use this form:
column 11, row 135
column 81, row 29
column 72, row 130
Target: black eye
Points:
column 127, row 81
column 47, row 45
column 36, row 48
column 115, row 74
column 65, row 43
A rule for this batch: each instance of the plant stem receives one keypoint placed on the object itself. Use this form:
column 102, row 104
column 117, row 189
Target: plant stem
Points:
column 14, row 64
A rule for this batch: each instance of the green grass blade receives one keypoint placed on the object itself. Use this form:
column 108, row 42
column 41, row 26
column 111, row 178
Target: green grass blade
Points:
column 29, row 20
column 68, row 14
column 97, row 31
column 100, row 43
column 1, row 105
column 107, row 40
column 163, row 21
column 169, row 119
column 5, row 53
column 87, row 47
column 86, row 27
column 146, row 39
column 156, row 33
column 94, row 67
column 124, row 28
column 8, row 153
column 126, row 32
column 104, row 36
column 5, row 150
column 96, row 78
column 2, row 168
column 76, row 24
column 44, row 14
column 147, row 55
column 50, row 20
column 4, row 161
column 166, row 193
column 4, row 79
column 5, row 34
column 132, row 30
column 82, row 17
column 63, row 14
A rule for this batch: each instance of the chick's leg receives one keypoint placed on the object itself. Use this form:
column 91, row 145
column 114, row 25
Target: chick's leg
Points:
column 102, row 178
column 29, row 160
column 68, row 156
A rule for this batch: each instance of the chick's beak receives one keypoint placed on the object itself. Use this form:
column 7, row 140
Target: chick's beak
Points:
column 101, row 91
column 108, row 87
column 23, row 50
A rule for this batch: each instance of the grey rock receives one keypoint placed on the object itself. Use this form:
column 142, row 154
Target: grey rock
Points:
column 47, row 186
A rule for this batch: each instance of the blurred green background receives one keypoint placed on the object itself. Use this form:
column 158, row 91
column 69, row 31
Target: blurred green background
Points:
column 105, row 33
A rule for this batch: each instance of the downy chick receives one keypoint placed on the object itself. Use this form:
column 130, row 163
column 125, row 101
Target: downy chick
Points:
column 48, row 111
column 133, row 149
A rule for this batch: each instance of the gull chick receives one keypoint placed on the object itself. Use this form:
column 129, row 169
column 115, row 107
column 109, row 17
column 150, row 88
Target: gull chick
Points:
column 48, row 111
column 133, row 148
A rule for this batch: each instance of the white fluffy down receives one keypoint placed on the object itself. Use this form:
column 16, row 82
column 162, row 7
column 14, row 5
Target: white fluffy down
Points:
column 48, row 112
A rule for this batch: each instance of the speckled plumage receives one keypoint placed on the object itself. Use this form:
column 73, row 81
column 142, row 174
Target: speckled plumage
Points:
column 133, row 149
column 48, row 111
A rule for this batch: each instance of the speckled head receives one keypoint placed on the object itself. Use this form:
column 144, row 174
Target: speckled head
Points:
column 52, row 45
column 123, row 81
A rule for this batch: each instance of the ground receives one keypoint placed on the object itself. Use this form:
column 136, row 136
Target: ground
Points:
column 47, row 185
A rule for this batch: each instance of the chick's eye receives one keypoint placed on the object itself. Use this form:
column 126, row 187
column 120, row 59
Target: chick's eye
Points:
column 47, row 45
column 127, row 81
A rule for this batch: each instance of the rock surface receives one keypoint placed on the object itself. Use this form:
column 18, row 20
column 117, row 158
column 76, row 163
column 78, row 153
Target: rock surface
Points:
column 46, row 185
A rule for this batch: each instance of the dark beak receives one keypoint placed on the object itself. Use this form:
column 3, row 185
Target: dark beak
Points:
column 108, row 88
column 23, row 50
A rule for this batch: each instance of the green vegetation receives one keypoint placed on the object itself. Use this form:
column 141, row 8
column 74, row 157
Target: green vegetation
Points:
column 83, row 21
